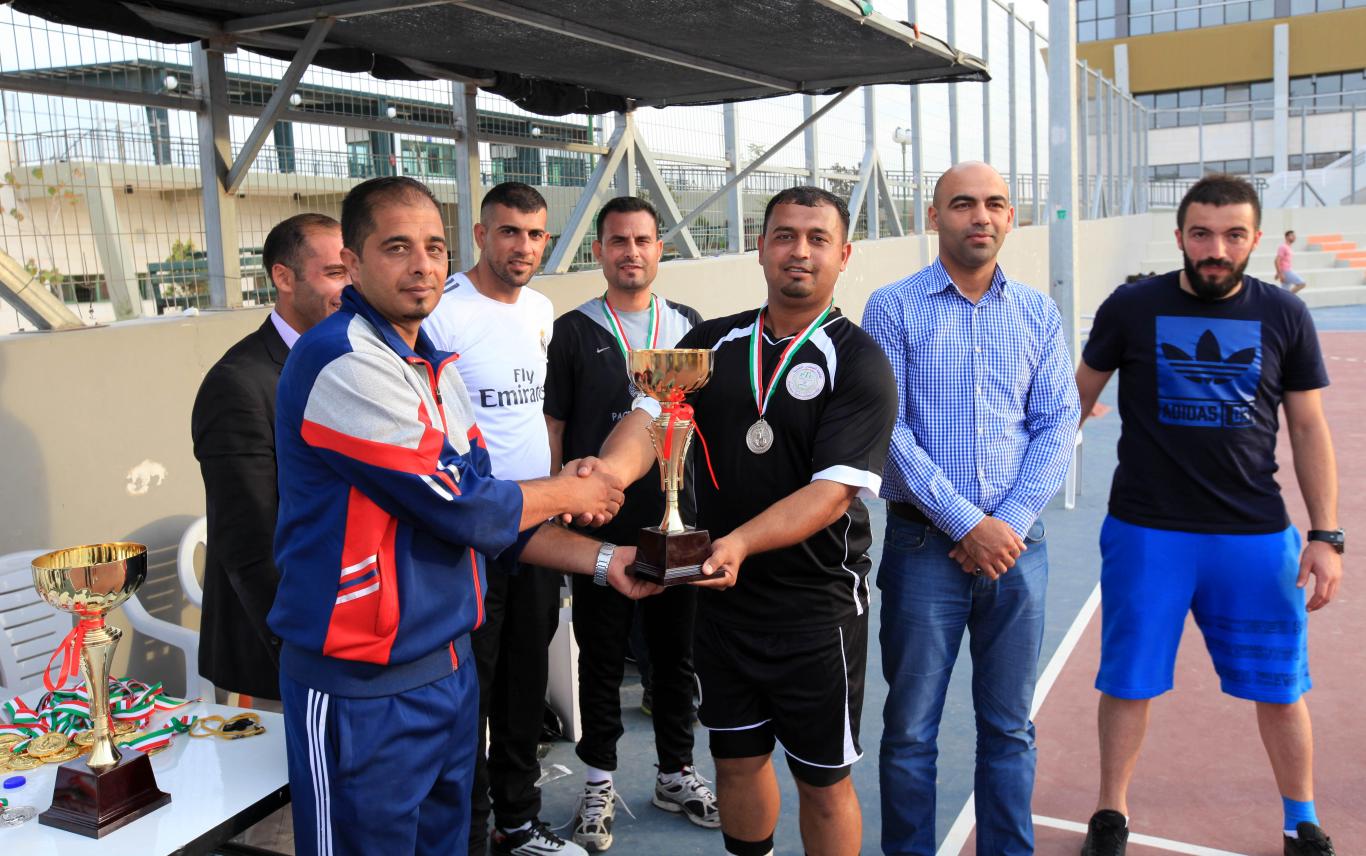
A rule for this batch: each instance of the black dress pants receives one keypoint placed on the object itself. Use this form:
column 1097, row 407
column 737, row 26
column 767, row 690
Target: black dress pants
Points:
column 602, row 625
column 521, row 613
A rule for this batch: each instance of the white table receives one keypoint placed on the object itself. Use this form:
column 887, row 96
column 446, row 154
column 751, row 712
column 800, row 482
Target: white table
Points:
column 218, row 788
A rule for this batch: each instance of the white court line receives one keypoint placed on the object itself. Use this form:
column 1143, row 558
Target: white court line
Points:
column 962, row 826
column 1134, row 838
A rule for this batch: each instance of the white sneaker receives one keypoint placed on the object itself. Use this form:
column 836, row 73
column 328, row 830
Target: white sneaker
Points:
column 593, row 818
column 690, row 795
column 535, row 840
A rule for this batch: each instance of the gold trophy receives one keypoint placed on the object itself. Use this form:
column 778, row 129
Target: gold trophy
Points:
column 95, row 795
column 671, row 552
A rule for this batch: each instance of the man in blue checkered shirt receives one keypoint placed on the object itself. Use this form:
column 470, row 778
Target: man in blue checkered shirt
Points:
column 987, row 417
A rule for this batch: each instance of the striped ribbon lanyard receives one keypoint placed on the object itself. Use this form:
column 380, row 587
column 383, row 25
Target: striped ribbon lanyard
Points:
column 756, row 381
column 619, row 330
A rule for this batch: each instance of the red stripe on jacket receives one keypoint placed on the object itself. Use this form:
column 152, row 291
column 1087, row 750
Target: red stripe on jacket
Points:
column 420, row 461
column 364, row 629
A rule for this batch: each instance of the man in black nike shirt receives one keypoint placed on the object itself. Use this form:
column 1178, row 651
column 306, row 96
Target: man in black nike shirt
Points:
column 587, row 393
column 797, row 417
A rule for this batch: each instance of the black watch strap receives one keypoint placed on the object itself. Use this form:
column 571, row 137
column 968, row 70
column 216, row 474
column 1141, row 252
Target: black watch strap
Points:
column 1335, row 537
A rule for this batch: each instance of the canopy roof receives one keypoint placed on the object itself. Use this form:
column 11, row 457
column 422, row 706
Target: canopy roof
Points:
column 563, row 56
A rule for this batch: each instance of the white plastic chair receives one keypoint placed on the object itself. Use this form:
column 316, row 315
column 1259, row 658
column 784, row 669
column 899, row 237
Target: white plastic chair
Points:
column 195, row 537
column 32, row 630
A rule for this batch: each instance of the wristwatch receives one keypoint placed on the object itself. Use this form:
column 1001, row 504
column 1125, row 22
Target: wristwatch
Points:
column 604, row 559
column 1336, row 537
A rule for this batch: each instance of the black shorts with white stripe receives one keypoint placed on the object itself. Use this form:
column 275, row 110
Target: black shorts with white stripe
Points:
column 801, row 690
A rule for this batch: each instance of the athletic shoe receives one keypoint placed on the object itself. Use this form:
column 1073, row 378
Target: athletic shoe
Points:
column 1106, row 835
column 593, row 818
column 647, row 702
column 535, row 840
column 690, row 795
column 1313, row 841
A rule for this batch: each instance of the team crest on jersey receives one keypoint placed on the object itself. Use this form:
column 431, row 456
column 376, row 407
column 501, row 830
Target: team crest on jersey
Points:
column 805, row 381
column 545, row 344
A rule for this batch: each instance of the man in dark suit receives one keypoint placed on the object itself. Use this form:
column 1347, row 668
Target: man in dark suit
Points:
column 233, row 425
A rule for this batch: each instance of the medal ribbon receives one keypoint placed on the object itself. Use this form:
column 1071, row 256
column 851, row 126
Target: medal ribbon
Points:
column 619, row 330
column 67, row 711
column 756, row 362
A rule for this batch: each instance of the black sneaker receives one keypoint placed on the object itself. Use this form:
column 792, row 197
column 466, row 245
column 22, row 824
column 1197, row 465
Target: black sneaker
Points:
column 1106, row 835
column 1313, row 841
column 535, row 840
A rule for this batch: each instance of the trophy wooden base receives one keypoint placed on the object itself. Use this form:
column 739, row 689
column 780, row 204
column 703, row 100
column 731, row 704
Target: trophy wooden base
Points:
column 671, row 558
column 95, row 803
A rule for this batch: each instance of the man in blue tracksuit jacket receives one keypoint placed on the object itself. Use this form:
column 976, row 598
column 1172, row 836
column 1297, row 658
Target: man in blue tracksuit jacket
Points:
column 387, row 512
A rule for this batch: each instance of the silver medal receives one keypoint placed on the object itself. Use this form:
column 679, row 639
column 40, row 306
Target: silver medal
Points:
column 759, row 437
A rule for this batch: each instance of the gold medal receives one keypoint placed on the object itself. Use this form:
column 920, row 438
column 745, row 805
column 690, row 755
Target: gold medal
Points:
column 47, row 744
column 10, row 739
column 84, row 738
column 19, row 763
column 124, row 726
column 71, row 751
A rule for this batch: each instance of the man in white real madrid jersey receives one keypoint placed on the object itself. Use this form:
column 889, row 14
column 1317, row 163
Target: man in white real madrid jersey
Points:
column 587, row 393
column 501, row 331
column 797, row 417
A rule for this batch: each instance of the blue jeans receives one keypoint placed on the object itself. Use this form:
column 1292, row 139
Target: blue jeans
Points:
column 927, row 601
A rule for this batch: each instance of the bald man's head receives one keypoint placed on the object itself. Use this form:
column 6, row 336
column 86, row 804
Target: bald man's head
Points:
column 959, row 172
column 972, row 214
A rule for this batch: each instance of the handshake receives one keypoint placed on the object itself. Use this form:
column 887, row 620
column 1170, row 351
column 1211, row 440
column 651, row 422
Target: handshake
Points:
column 589, row 491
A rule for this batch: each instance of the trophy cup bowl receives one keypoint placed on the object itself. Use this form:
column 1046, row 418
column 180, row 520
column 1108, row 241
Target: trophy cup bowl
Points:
column 94, row 796
column 671, row 553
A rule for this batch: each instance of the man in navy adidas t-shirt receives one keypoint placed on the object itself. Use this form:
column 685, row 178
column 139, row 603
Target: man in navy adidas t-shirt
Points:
column 1206, row 357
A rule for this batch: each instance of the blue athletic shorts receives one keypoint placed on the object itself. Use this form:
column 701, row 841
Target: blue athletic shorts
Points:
column 1241, row 589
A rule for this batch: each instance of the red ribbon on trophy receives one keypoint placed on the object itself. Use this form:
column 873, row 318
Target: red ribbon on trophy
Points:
column 677, row 410
column 70, row 652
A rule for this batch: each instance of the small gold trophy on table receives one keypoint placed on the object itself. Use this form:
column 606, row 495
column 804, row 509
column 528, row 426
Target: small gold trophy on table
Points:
column 671, row 552
column 94, row 796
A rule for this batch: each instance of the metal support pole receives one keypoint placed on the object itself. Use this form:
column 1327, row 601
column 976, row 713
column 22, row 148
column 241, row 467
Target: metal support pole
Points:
column 469, row 185
column 917, row 144
column 735, row 223
column 1062, row 155
column 986, row 87
column 813, row 152
column 1200, row 139
column 626, row 170
column 1011, row 93
column 215, row 153
column 1107, row 135
column 1126, row 161
column 873, row 190
column 1355, row 156
column 951, row 36
column 1280, row 87
column 1034, row 121
column 1084, row 137
column 1142, row 154
column 1304, row 155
